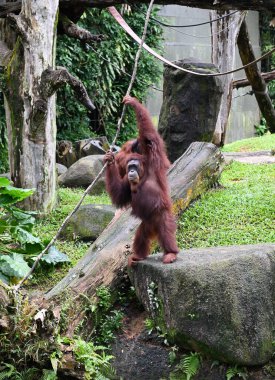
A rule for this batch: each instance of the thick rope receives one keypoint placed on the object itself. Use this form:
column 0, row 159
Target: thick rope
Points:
column 120, row 20
column 89, row 188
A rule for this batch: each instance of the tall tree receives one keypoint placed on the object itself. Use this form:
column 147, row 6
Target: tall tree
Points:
column 27, row 51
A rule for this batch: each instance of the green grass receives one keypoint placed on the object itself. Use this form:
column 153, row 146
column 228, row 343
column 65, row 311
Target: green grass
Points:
column 242, row 212
column 266, row 142
column 47, row 228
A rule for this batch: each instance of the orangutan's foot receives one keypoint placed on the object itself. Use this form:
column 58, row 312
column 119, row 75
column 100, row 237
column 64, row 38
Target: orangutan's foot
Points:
column 133, row 260
column 169, row 258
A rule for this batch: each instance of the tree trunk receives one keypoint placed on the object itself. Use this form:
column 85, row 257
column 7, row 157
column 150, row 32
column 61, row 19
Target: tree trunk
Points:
column 190, row 176
column 253, row 74
column 224, row 36
column 30, row 115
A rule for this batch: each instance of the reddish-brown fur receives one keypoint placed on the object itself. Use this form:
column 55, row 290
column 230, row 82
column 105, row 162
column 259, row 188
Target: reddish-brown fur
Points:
column 150, row 201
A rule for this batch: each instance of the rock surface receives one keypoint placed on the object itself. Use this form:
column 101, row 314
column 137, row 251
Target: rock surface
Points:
column 260, row 157
column 83, row 172
column 190, row 106
column 61, row 169
column 217, row 300
column 89, row 221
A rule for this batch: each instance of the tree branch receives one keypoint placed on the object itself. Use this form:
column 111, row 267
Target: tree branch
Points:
column 267, row 77
column 254, row 76
column 52, row 80
column 205, row 4
column 74, row 31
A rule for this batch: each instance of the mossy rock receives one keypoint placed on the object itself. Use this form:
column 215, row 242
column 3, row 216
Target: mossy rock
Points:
column 89, row 221
column 216, row 300
column 190, row 106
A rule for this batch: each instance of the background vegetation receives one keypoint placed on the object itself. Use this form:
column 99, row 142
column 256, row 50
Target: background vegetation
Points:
column 105, row 69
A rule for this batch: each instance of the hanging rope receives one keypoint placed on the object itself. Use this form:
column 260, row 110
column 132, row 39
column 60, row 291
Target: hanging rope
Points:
column 128, row 30
column 89, row 188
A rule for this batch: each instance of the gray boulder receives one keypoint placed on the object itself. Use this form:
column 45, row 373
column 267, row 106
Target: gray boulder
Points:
column 83, row 172
column 89, row 221
column 190, row 106
column 61, row 169
column 216, row 300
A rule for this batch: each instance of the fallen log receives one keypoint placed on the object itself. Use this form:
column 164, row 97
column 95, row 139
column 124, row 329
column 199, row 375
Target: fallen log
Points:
column 190, row 176
column 197, row 170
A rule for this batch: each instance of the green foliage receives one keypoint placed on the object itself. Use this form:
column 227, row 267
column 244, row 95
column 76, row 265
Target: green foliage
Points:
column 105, row 321
column 105, row 69
column 241, row 212
column 150, row 325
column 236, row 372
column 49, row 375
column 261, row 128
column 18, row 246
column 95, row 360
column 187, row 368
column 266, row 142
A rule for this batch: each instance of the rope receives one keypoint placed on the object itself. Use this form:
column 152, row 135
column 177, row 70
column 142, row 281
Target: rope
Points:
column 128, row 30
column 210, row 35
column 192, row 25
column 87, row 191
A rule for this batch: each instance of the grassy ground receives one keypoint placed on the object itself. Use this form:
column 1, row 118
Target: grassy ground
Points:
column 241, row 212
column 266, row 142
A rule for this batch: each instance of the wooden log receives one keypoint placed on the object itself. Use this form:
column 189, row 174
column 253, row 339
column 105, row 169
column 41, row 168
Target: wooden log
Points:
column 104, row 264
column 254, row 76
column 267, row 77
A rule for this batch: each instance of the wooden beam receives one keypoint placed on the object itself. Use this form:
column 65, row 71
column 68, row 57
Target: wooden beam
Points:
column 205, row 4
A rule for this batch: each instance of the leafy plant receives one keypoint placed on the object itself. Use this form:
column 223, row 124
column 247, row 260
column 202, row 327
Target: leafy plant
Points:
column 105, row 69
column 261, row 128
column 236, row 371
column 187, row 368
column 8, row 371
column 94, row 359
column 150, row 325
column 18, row 246
column 172, row 356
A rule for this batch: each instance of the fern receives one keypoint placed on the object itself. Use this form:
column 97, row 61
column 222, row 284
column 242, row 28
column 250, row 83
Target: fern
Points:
column 188, row 367
column 236, row 371
column 8, row 373
column 191, row 365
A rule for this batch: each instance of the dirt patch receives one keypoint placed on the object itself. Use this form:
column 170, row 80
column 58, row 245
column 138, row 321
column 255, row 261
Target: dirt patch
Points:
column 143, row 356
column 138, row 354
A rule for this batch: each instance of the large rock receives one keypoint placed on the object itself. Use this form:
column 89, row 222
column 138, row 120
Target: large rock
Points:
column 83, row 172
column 217, row 300
column 89, row 221
column 190, row 106
column 61, row 169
